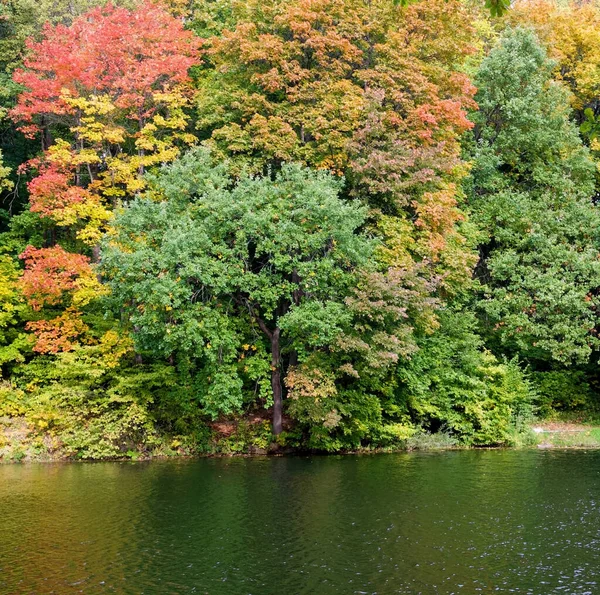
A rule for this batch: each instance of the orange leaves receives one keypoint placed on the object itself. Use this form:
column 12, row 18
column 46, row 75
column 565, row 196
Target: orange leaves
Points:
column 50, row 273
column 55, row 277
column 291, row 71
column 125, row 54
column 437, row 215
column 52, row 194
column 299, row 80
column 60, row 333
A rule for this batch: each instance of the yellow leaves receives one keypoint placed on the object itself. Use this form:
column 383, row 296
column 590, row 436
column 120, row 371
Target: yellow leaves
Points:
column 398, row 241
column 101, row 126
column 88, row 289
column 91, row 234
column 113, row 347
column 272, row 135
column 85, row 157
column 97, row 133
column 5, row 183
column 173, row 99
column 60, row 153
column 93, row 125
column 91, row 213
column 92, row 105
column 121, row 177
column 188, row 139
column 572, row 36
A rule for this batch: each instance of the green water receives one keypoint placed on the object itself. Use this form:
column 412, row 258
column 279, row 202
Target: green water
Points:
column 455, row 522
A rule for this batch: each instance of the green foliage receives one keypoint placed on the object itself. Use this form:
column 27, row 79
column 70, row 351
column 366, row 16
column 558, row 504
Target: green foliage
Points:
column 530, row 191
column 216, row 266
column 12, row 400
column 5, row 182
column 497, row 7
column 96, row 405
column 563, row 390
column 248, row 437
column 14, row 343
column 333, row 419
column 453, row 383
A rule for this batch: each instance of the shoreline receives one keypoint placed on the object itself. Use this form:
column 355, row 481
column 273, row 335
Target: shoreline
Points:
column 544, row 435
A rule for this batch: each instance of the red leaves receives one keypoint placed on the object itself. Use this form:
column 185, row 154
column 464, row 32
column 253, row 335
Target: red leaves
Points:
column 49, row 273
column 125, row 54
column 51, row 190
column 111, row 68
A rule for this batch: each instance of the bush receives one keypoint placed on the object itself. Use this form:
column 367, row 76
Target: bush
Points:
column 562, row 390
column 453, row 383
column 99, row 404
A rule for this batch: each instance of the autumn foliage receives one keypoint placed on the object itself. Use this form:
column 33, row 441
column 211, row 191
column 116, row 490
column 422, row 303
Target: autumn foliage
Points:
column 50, row 273
column 124, row 55
column 364, row 215
column 117, row 80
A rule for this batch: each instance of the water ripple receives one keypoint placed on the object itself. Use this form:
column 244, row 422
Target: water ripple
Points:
column 452, row 523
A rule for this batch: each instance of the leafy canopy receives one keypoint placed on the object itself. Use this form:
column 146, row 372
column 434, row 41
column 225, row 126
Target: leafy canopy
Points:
column 215, row 266
column 530, row 191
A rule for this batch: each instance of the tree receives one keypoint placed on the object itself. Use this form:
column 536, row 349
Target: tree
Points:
column 113, row 85
column 114, row 78
column 571, row 34
column 372, row 91
column 278, row 254
column 530, row 194
column 452, row 382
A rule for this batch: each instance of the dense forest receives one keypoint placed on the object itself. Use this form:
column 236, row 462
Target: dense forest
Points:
column 240, row 225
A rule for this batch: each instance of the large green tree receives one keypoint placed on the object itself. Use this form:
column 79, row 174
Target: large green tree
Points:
column 530, row 194
column 215, row 266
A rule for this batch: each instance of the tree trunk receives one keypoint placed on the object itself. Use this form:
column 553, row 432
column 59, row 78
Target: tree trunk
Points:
column 276, row 383
column 96, row 254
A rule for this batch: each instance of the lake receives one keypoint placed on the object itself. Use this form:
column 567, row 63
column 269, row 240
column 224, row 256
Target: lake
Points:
column 453, row 522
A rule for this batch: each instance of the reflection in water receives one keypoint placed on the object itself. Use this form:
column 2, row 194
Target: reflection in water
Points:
column 456, row 522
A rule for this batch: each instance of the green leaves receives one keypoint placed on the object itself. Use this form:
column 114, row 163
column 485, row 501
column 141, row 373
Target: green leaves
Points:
column 590, row 127
column 219, row 264
column 497, row 7
column 531, row 185
column 453, row 382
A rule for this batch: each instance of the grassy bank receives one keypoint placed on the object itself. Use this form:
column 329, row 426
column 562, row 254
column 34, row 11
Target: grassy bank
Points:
column 562, row 434
column 22, row 441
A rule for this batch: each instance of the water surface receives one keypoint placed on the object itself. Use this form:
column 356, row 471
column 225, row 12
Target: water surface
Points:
column 454, row 522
